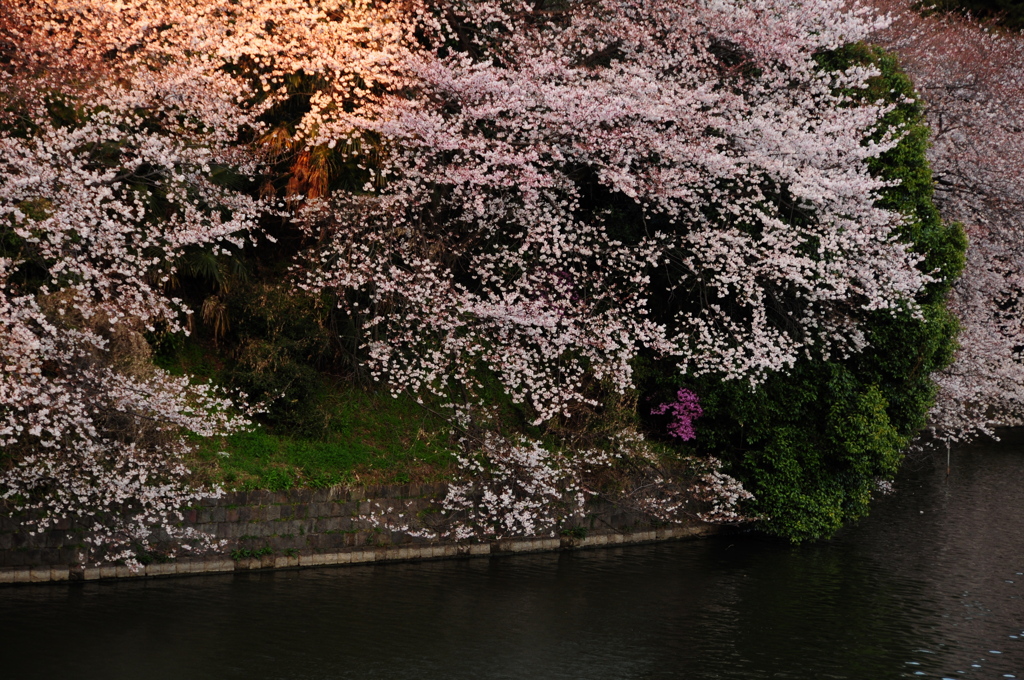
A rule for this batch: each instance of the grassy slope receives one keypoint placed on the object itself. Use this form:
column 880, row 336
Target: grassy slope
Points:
column 367, row 437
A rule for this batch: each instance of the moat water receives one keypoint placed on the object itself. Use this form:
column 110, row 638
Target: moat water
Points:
column 929, row 586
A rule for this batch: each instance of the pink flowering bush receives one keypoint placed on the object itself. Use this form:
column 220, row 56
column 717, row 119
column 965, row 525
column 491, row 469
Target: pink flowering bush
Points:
column 683, row 410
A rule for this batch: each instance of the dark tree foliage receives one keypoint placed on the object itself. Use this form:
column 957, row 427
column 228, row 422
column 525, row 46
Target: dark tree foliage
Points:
column 1009, row 13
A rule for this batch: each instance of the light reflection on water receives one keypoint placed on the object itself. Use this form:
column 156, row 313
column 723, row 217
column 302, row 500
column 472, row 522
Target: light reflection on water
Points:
column 929, row 586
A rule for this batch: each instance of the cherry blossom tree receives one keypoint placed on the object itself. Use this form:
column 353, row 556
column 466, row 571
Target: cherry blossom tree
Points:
column 972, row 78
column 528, row 194
column 107, row 174
column 561, row 188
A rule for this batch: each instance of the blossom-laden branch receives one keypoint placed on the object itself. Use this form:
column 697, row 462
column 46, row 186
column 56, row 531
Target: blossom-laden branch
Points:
column 519, row 488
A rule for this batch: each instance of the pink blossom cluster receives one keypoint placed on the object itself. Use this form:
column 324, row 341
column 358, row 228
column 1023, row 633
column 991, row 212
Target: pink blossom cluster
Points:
column 513, row 488
column 723, row 493
column 508, row 488
column 683, row 410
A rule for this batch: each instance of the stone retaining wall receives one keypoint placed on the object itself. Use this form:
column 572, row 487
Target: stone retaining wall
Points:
column 303, row 527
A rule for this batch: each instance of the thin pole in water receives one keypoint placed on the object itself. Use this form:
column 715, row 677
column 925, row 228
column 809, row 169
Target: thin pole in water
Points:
column 947, row 458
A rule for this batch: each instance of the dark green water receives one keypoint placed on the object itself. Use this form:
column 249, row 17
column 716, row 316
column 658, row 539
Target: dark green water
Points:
column 929, row 586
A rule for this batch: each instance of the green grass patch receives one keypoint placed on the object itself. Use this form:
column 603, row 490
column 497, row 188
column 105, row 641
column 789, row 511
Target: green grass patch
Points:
column 369, row 437
column 245, row 553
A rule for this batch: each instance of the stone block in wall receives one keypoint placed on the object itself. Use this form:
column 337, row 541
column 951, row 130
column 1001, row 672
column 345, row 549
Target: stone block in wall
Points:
column 349, row 508
column 296, row 526
column 6, row 541
column 388, row 492
column 260, row 497
column 53, row 539
column 161, row 569
column 208, row 502
column 282, row 543
column 218, row 530
column 300, row 510
column 39, row 574
column 310, row 560
column 333, row 541
column 228, row 530
column 418, row 540
column 334, row 524
column 44, row 556
column 237, row 498
column 265, row 529
column 19, row 539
